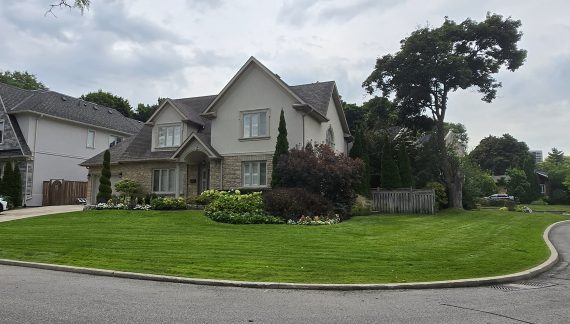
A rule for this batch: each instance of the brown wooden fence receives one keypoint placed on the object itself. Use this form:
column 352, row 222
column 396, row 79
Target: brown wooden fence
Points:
column 403, row 201
column 62, row 192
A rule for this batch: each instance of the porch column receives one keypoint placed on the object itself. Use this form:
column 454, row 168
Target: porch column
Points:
column 177, row 182
column 181, row 179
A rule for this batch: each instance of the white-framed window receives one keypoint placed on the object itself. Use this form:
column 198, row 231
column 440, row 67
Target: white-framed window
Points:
column 114, row 140
column 163, row 181
column 1, row 131
column 330, row 137
column 254, row 124
column 254, row 173
column 542, row 188
column 90, row 138
column 169, row 136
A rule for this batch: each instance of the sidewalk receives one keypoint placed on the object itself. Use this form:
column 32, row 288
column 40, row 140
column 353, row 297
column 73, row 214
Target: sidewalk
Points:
column 21, row 213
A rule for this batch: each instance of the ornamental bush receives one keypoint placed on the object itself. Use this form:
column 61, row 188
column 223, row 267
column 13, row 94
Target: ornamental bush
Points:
column 292, row 203
column 234, row 208
column 168, row 203
column 321, row 171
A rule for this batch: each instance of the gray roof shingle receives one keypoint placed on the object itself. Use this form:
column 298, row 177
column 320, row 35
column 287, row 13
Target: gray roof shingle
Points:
column 59, row 105
column 318, row 94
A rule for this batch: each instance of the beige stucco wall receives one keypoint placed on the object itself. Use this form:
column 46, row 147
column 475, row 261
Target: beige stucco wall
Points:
column 253, row 90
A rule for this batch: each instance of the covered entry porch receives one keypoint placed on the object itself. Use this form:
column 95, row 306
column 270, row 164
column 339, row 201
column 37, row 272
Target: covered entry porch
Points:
column 198, row 167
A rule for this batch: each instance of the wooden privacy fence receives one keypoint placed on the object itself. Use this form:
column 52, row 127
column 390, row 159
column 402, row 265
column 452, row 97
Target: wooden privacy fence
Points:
column 61, row 192
column 420, row 201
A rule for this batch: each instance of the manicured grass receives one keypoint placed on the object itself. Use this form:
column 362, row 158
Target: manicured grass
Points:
column 372, row 249
column 564, row 208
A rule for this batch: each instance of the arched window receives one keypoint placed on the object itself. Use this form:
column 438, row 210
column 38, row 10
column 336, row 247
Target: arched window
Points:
column 330, row 137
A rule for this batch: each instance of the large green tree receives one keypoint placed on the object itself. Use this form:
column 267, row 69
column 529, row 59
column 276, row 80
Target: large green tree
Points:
column 22, row 80
column 110, row 100
column 390, row 174
column 281, row 149
column 497, row 154
column 359, row 150
column 434, row 62
column 144, row 112
column 558, row 168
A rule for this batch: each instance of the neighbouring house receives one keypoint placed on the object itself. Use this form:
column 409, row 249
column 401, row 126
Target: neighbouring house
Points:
column 225, row 141
column 543, row 182
column 48, row 134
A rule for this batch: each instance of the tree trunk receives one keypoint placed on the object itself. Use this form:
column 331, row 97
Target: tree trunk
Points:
column 451, row 173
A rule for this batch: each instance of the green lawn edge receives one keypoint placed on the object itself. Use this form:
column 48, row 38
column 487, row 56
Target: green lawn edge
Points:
column 367, row 249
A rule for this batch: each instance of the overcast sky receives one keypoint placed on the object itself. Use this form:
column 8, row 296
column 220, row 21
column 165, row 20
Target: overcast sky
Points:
column 143, row 49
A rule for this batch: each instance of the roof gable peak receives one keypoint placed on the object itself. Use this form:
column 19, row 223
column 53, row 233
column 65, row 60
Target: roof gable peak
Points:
column 241, row 71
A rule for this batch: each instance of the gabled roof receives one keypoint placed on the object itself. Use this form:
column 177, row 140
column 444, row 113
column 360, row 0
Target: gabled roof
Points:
column 203, row 140
column 253, row 61
column 318, row 94
column 134, row 148
column 60, row 106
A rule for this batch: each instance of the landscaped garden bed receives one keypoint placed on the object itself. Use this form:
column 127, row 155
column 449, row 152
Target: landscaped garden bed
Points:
column 368, row 249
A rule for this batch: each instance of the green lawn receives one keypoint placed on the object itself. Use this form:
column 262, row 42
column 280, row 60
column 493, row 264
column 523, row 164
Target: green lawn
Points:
column 373, row 249
column 556, row 208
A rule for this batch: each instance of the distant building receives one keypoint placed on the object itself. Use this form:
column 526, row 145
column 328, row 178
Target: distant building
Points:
column 537, row 155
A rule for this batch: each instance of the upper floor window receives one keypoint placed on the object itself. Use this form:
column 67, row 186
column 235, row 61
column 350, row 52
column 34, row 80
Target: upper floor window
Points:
column 1, row 131
column 255, row 124
column 114, row 140
column 169, row 136
column 330, row 137
column 90, row 138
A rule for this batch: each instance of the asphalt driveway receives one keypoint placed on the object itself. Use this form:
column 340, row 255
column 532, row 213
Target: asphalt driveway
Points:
column 20, row 213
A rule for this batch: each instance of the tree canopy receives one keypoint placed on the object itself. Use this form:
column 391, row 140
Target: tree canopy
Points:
column 497, row 154
column 109, row 100
column 144, row 112
column 433, row 62
column 22, row 80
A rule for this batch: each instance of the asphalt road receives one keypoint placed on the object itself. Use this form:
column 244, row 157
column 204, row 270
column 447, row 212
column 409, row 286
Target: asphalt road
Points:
column 37, row 296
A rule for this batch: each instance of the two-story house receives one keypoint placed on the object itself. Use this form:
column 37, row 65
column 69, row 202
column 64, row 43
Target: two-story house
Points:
column 48, row 134
column 225, row 141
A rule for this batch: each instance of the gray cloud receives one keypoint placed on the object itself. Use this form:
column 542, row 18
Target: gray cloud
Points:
column 203, row 5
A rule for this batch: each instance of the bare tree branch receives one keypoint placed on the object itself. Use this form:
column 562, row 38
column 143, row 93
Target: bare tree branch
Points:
column 80, row 4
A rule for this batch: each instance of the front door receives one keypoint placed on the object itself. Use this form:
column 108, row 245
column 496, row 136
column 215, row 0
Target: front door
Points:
column 203, row 178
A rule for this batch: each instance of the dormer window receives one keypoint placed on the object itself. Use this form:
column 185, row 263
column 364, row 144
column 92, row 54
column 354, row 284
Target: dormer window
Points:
column 169, row 136
column 114, row 140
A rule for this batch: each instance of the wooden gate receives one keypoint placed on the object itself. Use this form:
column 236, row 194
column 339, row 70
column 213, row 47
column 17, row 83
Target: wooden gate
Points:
column 61, row 192
column 404, row 201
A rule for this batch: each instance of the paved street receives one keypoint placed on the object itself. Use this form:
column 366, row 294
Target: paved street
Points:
column 32, row 296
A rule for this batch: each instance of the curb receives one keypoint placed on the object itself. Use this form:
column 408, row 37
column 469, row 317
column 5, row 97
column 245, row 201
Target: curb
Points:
column 523, row 275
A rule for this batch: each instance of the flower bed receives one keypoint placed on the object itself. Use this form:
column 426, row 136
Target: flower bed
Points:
column 315, row 220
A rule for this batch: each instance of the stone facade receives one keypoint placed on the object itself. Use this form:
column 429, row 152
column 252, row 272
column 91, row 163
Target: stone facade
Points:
column 142, row 172
column 232, row 168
